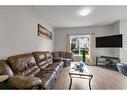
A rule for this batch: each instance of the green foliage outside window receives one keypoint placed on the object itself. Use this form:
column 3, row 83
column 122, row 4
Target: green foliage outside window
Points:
column 84, row 52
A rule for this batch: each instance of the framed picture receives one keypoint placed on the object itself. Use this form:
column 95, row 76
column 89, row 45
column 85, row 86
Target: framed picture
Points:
column 43, row 32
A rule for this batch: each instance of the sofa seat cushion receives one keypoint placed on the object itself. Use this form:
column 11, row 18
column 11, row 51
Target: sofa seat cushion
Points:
column 56, row 66
column 47, row 77
column 60, row 63
column 23, row 82
column 53, row 66
column 57, row 59
column 23, row 64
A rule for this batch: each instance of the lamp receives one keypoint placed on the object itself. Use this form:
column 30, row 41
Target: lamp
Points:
column 85, row 11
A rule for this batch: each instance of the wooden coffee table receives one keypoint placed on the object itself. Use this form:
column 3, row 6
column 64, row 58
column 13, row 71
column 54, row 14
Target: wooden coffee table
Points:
column 73, row 73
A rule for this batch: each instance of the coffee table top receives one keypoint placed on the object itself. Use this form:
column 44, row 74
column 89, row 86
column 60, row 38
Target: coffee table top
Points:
column 3, row 77
column 73, row 70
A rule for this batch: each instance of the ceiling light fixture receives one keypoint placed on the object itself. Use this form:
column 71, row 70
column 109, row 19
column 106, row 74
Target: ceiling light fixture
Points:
column 85, row 11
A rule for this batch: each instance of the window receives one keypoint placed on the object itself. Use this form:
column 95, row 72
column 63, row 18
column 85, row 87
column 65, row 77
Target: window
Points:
column 79, row 43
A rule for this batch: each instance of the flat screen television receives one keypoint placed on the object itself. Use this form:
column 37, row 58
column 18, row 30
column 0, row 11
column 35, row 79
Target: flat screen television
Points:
column 113, row 41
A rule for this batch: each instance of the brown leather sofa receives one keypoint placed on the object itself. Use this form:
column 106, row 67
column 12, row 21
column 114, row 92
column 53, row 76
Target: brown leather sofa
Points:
column 32, row 70
column 66, row 57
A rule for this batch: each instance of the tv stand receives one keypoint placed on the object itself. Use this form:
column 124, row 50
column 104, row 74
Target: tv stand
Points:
column 107, row 60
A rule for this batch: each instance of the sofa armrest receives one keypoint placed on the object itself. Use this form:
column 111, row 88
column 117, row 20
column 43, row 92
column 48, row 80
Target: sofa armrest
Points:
column 70, row 55
column 57, row 59
column 24, row 82
column 122, row 68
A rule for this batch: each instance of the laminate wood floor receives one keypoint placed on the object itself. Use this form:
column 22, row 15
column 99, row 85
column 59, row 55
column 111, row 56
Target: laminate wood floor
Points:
column 103, row 79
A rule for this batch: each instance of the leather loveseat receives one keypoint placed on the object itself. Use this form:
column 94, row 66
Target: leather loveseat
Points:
column 66, row 57
column 31, row 70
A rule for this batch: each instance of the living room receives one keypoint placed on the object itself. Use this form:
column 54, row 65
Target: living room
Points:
column 19, row 34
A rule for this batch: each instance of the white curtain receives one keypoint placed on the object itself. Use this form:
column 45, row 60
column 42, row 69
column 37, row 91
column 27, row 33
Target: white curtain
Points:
column 68, row 43
column 89, row 57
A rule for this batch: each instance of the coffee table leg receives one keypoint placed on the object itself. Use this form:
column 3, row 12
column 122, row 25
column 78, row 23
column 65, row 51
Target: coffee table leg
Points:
column 90, row 82
column 70, row 82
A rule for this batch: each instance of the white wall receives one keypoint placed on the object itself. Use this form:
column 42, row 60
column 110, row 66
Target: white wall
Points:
column 18, row 31
column 123, row 50
column 110, row 51
column 61, row 36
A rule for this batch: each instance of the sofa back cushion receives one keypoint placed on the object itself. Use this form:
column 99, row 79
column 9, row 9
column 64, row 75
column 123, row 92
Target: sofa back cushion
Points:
column 68, row 55
column 5, row 69
column 23, row 64
column 55, row 54
column 62, row 54
column 40, row 58
column 49, row 57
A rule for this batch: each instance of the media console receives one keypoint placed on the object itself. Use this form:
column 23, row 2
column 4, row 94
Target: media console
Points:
column 107, row 60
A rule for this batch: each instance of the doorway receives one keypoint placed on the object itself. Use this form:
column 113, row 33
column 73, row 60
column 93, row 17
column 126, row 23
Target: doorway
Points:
column 79, row 43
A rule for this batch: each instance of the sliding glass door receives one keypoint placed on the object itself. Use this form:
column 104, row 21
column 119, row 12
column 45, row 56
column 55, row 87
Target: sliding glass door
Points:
column 79, row 43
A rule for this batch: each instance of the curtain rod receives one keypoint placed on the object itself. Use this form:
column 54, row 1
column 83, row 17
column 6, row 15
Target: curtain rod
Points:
column 83, row 34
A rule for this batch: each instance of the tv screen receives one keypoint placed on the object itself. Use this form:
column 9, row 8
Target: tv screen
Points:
column 114, row 41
